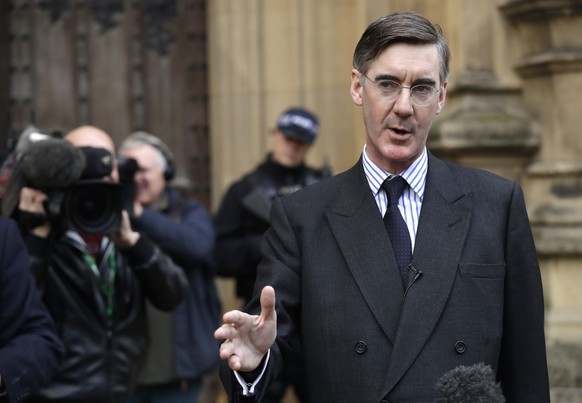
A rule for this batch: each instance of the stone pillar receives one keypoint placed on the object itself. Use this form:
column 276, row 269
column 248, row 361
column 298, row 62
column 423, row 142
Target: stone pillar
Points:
column 265, row 56
column 484, row 123
column 550, row 66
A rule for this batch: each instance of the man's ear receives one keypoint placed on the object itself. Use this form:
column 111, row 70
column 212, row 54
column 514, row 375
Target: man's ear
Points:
column 356, row 87
column 442, row 97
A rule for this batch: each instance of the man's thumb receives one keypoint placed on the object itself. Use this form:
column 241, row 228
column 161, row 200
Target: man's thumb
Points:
column 268, row 302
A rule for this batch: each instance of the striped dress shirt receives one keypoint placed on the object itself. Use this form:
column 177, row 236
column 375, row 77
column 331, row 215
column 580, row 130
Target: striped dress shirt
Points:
column 410, row 202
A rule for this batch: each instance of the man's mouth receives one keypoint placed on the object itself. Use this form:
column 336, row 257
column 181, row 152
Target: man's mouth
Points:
column 400, row 130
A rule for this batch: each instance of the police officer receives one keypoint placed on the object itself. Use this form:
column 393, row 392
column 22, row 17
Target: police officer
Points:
column 243, row 215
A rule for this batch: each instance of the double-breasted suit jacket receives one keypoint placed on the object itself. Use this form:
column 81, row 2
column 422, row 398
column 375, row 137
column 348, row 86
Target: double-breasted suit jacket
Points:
column 365, row 338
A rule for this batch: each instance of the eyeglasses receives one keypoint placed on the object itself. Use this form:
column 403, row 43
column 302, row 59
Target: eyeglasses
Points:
column 420, row 94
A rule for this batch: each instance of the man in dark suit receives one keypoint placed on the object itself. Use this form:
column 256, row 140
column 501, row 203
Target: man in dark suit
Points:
column 381, row 317
column 30, row 351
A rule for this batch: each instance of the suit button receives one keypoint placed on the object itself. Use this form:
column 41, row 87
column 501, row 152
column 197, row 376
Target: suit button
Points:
column 361, row 347
column 460, row 347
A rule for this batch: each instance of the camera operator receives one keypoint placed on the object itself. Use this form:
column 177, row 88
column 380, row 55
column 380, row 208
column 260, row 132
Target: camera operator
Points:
column 184, row 348
column 94, row 284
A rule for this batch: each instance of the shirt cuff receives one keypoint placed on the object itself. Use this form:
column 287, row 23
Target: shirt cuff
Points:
column 249, row 387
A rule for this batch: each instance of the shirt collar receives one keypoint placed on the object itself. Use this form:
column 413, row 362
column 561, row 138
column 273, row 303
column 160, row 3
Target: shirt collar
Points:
column 415, row 174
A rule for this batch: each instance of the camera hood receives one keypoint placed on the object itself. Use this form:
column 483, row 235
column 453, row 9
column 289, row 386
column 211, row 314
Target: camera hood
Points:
column 94, row 206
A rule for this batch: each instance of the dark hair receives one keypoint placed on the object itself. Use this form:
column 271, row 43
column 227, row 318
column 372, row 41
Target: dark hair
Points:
column 401, row 27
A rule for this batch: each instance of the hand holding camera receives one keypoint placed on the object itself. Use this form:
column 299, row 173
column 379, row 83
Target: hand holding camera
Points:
column 32, row 202
column 126, row 237
column 70, row 188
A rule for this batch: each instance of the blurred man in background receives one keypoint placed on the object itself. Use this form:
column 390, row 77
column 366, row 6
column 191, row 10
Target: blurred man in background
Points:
column 243, row 216
column 183, row 348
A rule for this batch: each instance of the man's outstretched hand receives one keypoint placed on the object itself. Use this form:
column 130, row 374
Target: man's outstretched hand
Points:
column 247, row 338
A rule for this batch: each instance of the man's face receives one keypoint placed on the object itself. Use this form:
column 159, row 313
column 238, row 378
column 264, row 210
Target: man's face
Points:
column 396, row 131
column 149, row 179
column 288, row 152
column 89, row 136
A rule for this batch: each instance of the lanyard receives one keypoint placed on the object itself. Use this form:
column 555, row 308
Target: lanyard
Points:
column 107, row 286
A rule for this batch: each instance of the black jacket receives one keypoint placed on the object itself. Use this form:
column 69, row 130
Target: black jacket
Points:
column 183, row 229
column 243, row 218
column 30, row 351
column 105, row 335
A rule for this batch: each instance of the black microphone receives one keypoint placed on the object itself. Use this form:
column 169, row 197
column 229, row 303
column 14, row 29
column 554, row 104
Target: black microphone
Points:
column 469, row 384
column 45, row 163
column 417, row 274
column 52, row 163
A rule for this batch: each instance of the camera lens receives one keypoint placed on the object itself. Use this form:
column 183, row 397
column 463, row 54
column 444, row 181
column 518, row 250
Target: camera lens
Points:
column 94, row 206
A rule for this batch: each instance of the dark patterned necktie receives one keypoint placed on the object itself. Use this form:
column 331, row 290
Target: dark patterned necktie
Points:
column 396, row 226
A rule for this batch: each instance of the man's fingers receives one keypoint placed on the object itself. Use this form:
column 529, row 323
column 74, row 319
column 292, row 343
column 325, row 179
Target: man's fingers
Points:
column 235, row 318
column 227, row 353
column 220, row 333
column 234, row 363
column 226, row 350
column 232, row 321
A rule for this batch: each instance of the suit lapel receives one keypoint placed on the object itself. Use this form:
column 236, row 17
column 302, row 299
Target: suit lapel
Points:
column 443, row 225
column 356, row 223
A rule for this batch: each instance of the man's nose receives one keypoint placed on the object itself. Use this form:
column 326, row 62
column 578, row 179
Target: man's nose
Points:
column 403, row 104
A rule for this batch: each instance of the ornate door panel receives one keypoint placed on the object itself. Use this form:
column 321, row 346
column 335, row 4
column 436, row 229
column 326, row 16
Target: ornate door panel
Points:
column 120, row 65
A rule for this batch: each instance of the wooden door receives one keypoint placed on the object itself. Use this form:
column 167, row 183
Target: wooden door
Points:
column 121, row 65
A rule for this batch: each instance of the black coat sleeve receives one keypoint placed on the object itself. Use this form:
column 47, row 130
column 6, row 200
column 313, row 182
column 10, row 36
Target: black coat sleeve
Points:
column 30, row 351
